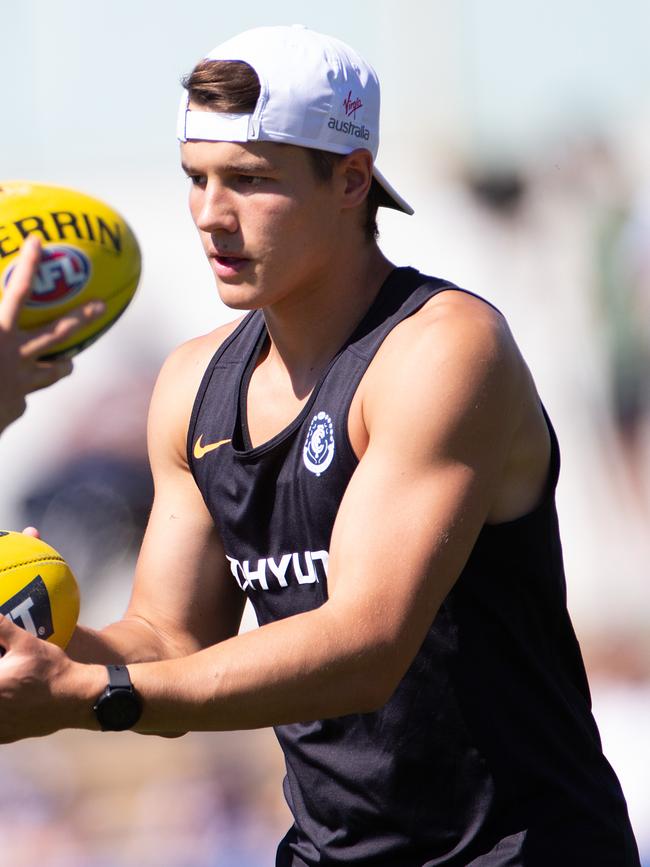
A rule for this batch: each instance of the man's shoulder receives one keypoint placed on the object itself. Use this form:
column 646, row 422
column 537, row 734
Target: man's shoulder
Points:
column 178, row 382
column 190, row 359
column 454, row 306
column 443, row 367
column 451, row 387
column 454, row 328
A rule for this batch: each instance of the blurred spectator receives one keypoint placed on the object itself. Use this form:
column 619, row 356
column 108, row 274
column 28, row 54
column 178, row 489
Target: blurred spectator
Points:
column 94, row 504
column 619, row 670
column 623, row 291
column 502, row 190
column 200, row 801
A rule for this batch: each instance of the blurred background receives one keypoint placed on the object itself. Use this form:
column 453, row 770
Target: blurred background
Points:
column 520, row 133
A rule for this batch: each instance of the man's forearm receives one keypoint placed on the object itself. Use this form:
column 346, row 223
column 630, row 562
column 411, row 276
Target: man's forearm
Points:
column 299, row 668
column 127, row 641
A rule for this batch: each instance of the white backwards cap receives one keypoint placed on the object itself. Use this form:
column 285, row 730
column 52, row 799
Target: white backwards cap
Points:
column 316, row 92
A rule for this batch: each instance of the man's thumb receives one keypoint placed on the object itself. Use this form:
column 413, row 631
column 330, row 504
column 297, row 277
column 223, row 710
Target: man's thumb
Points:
column 7, row 633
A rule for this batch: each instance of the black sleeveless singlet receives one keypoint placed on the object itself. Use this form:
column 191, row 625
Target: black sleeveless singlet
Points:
column 487, row 753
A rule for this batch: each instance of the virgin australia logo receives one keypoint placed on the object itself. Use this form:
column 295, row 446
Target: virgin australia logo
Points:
column 352, row 105
column 318, row 451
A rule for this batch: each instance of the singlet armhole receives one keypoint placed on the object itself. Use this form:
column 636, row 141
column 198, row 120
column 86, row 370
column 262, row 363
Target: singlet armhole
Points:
column 205, row 382
column 548, row 492
column 368, row 359
column 241, row 421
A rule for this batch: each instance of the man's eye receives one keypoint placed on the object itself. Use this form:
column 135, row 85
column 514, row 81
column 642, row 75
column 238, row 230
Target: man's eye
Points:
column 251, row 180
column 196, row 180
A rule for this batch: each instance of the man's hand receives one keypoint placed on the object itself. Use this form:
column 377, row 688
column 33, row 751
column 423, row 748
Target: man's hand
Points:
column 41, row 689
column 21, row 370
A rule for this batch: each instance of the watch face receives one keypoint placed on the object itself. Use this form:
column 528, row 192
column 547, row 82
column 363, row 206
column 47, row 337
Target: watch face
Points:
column 118, row 710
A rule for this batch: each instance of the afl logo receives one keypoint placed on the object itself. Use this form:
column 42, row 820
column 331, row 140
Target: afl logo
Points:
column 318, row 450
column 62, row 273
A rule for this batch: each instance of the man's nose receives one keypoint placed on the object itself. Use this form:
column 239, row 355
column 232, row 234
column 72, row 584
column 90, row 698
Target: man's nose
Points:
column 217, row 212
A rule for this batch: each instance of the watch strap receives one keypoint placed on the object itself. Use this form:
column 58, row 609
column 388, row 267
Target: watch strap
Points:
column 118, row 677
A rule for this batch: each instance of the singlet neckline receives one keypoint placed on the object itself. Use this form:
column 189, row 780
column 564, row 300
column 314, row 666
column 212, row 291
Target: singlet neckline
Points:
column 241, row 441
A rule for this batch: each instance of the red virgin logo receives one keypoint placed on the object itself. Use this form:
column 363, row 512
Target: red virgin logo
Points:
column 351, row 105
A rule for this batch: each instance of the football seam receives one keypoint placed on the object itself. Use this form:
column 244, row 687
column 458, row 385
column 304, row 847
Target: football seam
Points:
column 33, row 560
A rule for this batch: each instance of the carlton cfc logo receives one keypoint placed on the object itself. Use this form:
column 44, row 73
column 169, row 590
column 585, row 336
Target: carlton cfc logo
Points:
column 318, row 450
column 63, row 272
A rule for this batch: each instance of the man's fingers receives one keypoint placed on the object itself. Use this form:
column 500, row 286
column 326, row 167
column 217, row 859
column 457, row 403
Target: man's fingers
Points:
column 43, row 339
column 20, row 282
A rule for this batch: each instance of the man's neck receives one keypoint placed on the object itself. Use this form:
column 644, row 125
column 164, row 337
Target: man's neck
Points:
column 307, row 330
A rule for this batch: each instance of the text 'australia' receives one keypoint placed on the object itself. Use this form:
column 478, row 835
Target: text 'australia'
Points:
column 349, row 128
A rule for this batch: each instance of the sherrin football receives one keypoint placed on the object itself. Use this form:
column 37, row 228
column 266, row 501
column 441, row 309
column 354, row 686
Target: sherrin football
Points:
column 89, row 252
column 38, row 592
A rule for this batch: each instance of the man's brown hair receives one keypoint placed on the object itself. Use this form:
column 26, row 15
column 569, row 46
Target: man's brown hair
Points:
column 232, row 86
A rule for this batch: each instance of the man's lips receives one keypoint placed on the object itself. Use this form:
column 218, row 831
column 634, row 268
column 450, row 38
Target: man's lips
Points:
column 228, row 264
column 226, row 257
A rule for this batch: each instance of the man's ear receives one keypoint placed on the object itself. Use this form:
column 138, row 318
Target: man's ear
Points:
column 355, row 171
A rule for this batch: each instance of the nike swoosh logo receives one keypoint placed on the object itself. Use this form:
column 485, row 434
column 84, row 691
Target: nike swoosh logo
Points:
column 200, row 449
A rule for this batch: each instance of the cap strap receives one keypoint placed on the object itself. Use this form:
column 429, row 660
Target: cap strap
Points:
column 213, row 126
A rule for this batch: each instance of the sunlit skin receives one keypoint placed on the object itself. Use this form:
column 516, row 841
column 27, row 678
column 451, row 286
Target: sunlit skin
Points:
column 278, row 238
column 256, row 207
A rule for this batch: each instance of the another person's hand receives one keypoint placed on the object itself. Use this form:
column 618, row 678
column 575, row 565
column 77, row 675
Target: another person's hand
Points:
column 21, row 368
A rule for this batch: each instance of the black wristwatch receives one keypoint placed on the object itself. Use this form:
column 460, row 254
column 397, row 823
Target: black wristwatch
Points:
column 119, row 707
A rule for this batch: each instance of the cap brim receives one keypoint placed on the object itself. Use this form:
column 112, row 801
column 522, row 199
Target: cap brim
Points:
column 390, row 198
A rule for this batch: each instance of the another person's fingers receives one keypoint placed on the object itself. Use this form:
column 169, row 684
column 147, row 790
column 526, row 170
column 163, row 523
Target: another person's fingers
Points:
column 47, row 373
column 19, row 285
column 32, row 531
column 40, row 340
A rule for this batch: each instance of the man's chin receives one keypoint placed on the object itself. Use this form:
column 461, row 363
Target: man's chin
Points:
column 240, row 296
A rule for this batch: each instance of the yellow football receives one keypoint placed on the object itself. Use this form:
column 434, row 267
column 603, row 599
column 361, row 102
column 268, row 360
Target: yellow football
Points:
column 89, row 252
column 37, row 589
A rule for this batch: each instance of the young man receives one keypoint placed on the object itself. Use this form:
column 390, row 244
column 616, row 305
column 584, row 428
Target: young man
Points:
column 366, row 457
column 22, row 370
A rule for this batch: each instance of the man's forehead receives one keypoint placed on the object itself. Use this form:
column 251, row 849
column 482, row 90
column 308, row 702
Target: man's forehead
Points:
column 268, row 155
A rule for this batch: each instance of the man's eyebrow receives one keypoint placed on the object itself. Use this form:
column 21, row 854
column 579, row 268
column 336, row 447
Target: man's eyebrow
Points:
column 243, row 167
column 246, row 166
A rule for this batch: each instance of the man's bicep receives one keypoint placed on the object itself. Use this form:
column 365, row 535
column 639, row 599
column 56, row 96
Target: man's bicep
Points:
column 400, row 542
column 182, row 586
